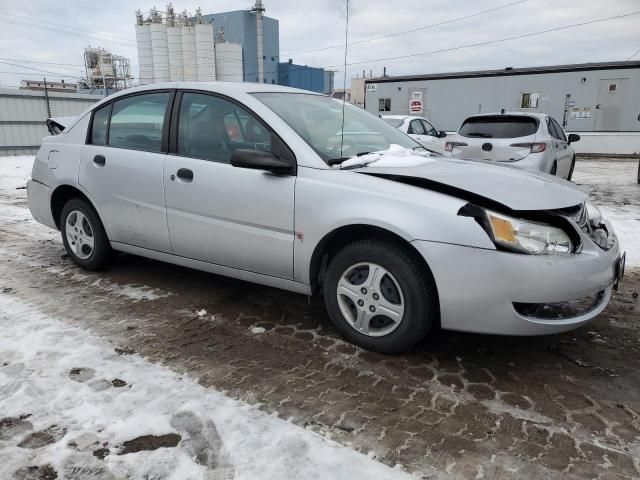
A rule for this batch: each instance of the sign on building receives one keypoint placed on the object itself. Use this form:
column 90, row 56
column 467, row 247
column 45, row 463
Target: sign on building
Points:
column 372, row 88
column 415, row 104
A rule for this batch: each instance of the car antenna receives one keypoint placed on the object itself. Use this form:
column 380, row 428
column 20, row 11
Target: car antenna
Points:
column 344, row 96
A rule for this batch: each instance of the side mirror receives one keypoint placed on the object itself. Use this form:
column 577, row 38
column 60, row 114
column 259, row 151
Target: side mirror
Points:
column 442, row 134
column 573, row 137
column 260, row 160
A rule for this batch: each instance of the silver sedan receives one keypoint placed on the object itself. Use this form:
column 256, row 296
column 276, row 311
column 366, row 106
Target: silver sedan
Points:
column 275, row 186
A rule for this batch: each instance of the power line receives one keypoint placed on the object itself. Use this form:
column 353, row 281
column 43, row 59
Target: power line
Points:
column 490, row 42
column 403, row 32
column 22, row 23
column 40, row 70
column 637, row 52
column 43, row 63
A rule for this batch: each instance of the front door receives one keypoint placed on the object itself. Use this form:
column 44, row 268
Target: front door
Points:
column 219, row 213
column 122, row 169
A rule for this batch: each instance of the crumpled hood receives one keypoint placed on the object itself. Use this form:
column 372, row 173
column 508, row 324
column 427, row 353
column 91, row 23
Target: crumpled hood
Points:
column 509, row 186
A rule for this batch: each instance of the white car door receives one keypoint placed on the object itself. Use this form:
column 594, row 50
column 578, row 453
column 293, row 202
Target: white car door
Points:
column 218, row 213
column 563, row 152
column 416, row 130
column 121, row 168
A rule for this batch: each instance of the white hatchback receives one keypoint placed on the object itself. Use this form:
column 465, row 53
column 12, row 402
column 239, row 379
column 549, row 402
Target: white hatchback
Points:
column 419, row 129
column 533, row 141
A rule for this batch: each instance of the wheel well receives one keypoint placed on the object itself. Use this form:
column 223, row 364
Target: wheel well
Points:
column 340, row 237
column 60, row 197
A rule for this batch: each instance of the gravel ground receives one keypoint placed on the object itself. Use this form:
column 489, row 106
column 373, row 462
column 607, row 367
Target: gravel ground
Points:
column 457, row 406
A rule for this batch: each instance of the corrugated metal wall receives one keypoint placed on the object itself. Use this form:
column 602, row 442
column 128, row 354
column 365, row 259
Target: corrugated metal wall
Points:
column 23, row 116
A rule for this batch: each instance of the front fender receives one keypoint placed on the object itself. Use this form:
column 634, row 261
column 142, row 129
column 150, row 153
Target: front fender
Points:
column 327, row 200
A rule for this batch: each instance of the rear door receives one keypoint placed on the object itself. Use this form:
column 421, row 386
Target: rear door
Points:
column 219, row 213
column 122, row 168
column 492, row 137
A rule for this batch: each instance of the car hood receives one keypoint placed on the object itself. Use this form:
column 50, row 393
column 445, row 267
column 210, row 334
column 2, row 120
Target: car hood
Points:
column 475, row 180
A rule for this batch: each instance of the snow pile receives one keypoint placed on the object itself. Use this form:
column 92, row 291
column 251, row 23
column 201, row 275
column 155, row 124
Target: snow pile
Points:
column 73, row 399
column 626, row 223
column 394, row 156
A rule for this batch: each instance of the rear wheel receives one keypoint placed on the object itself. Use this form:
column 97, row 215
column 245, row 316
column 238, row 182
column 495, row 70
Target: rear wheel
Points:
column 554, row 168
column 379, row 296
column 573, row 164
column 638, row 171
column 83, row 235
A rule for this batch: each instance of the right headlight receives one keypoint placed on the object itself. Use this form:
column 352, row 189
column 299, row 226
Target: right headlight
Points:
column 527, row 236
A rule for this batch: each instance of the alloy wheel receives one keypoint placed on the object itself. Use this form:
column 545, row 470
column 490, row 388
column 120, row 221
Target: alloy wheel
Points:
column 370, row 299
column 79, row 234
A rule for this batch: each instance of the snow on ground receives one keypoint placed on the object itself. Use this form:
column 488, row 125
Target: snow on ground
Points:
column 74, row 393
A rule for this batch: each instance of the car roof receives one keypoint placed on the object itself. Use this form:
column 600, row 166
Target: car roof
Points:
column 395, row 117
column 229, row 88
column 539, row 116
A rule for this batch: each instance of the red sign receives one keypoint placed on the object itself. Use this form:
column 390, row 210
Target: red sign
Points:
column 415, row 106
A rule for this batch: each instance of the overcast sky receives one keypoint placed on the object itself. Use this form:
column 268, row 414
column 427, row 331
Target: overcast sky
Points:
column 307, row 24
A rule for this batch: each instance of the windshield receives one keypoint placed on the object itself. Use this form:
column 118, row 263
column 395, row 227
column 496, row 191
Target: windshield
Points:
column 394, row 122
column 318, row 120
column 503, row 126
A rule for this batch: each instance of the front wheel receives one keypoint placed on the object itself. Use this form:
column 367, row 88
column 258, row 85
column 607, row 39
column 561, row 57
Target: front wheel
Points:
column 379, row 296
column 83, row 235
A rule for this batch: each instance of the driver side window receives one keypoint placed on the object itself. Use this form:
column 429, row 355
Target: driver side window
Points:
column 429, row 128
column 211, row 128
column 415, row 128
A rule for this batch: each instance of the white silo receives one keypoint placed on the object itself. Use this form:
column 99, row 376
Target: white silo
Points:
column 145, row 54
column 229, row 62
column 174, row 44
column 205, row 52
column 160, row 48
column 190, row 66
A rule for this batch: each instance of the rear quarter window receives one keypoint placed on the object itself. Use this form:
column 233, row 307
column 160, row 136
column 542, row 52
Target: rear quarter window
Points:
column 502, row 126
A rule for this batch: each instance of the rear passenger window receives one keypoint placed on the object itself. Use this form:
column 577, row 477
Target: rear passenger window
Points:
column 212, row 128
column 559, row 132
column 137, row 122
column 99, row 125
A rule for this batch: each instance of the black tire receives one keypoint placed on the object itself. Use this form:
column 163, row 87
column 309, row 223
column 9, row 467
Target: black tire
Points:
column 417, row 288
column 100, row 253
column 638, row 171
column 573, row 165
column 554, row 168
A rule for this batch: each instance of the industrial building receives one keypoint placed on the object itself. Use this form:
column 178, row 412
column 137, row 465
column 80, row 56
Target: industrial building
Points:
column 105, row 72
column 305, row 77
column 259, row 37
column 589, row 97
column 242, row 45
column 223, row 47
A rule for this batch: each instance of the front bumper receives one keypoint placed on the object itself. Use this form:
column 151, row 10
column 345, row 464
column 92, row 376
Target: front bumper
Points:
column 479, row 289
column 39, row 199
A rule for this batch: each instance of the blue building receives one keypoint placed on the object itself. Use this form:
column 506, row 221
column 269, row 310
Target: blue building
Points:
column 307, row 78
column 240, row 27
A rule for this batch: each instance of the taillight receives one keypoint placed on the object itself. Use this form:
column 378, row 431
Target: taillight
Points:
column 449, row 146
column 533, row 147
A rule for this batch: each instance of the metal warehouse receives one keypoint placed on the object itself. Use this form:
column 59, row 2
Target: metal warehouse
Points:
column 589, row 97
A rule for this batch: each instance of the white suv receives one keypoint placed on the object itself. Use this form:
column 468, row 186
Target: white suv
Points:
column 532, row 141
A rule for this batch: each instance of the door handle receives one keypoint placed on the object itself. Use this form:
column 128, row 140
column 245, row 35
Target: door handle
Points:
column 99, row 160
column 185, row 174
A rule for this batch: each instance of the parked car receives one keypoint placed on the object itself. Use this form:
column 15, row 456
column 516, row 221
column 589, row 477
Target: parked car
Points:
column 419, row 129
column 533, row 141
column 250, row 181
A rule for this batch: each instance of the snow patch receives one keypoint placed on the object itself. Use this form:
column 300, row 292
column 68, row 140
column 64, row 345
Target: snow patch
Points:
column 626, row 223
column 39, row 353
column 394, row 156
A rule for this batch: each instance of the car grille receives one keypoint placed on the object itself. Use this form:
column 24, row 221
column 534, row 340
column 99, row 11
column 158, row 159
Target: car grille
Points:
column 599, row 234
